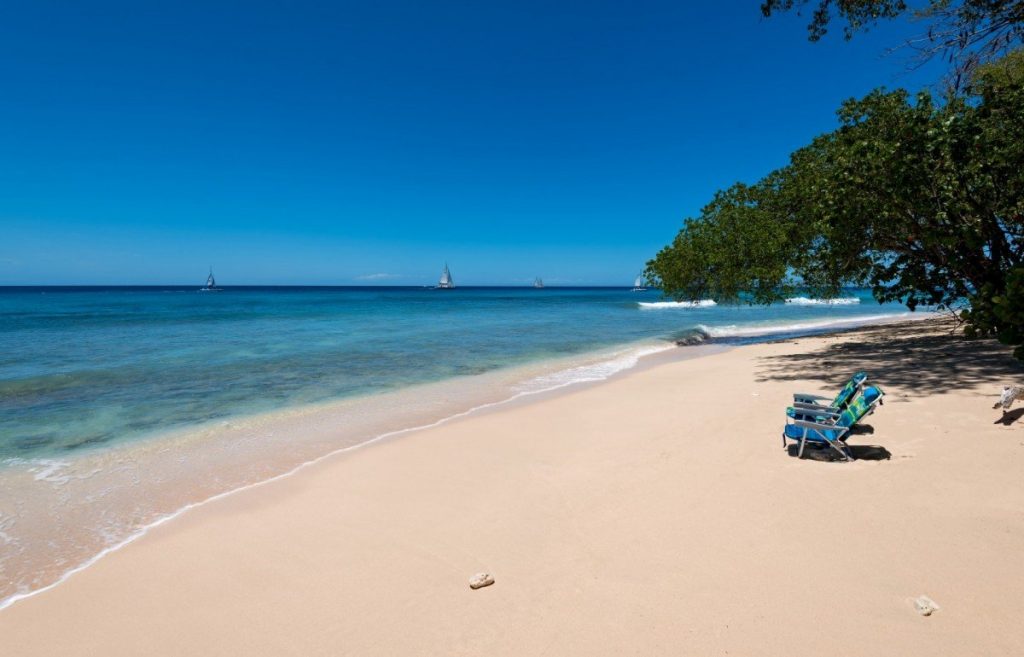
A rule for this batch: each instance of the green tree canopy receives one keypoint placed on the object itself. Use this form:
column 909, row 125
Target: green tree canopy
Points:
column 921, row 201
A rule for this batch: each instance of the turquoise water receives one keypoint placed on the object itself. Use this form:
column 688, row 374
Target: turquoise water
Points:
column 85, row 368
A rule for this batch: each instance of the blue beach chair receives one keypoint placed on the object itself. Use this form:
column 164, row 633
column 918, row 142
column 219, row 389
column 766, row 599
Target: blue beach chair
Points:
column 826, row 427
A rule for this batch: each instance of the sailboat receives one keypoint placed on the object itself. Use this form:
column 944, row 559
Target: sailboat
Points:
column 538, row 282
column 446, row 282
column 211, row 284
column 638, row 284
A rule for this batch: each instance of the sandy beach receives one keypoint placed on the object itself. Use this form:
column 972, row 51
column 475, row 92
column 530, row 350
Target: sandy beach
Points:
column 653, row 514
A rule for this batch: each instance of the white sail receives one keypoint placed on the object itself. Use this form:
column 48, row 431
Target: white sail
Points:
column 211, row 283
column 446, row 282
column 538, row 282
column 638, row 284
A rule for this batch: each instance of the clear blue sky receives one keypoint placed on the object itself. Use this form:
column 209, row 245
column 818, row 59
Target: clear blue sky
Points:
column 347, row 143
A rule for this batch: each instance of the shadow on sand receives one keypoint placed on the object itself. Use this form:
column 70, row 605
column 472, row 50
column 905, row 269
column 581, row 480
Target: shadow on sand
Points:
column 923, row 358
column 1010, row 417
column 816, row 452
column 920, row 358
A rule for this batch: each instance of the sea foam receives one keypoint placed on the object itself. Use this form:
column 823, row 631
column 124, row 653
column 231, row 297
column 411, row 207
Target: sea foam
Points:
column 784, row 328
column 658, row 305
column 805, row 301
column 597, row 371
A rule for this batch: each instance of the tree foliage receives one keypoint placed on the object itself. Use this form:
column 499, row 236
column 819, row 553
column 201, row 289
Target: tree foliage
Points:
column 858, row 14
column 921, row 201
column 967, row 33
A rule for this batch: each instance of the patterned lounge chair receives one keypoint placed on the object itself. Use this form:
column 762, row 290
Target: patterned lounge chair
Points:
column 831, row 428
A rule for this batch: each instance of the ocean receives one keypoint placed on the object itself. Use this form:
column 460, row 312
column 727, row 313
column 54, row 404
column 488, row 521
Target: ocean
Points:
column 120, row 407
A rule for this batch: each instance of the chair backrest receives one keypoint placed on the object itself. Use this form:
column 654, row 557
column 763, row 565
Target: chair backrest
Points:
column 849, row 391
column 860, row 407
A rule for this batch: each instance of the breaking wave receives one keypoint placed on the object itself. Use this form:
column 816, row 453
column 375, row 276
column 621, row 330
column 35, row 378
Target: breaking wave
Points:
column 653, row 305
column 804, row 301
column 762, row 330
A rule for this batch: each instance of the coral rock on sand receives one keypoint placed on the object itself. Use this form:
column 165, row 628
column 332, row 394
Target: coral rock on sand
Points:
column 480, row 580
column 925, row 605
column 1010, row 395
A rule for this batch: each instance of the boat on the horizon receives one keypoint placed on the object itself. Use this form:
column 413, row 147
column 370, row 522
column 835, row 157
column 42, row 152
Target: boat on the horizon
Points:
column 446, row 282
column 538, row 282
column 638, row 284
column 211, row 284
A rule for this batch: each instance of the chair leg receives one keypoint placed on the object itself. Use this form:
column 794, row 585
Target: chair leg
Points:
column 846, row 456
column 803, row 441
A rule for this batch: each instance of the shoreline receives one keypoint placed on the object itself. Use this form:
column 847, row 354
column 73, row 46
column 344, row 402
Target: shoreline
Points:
column 516, row 399
column 312, row 417
column 388, row 474
column 641, row 357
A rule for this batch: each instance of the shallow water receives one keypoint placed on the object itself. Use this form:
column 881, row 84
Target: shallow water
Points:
column 81, row 369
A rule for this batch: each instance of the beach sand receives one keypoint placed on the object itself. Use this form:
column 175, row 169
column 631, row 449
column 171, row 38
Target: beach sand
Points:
column 653, row 514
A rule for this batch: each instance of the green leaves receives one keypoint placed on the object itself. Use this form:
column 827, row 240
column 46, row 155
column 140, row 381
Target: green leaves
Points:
column 739, row 247
column 1000, row 314
column 924, row 202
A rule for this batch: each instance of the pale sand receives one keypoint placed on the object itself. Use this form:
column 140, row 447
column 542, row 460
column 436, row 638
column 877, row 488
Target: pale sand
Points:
column 655, row 514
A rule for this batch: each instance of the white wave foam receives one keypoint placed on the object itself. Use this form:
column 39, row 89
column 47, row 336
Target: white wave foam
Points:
column 735, row 331
column 49, row 470
column 651, row 305
column 6, row 522
column 598, row 371
column 804, row 301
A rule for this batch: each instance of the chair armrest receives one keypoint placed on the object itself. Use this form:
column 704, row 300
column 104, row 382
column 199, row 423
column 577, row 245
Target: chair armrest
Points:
column 817, row 408
column 807, row 424
column 801, row 396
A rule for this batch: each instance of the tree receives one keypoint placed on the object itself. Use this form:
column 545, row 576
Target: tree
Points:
column 967, row 33
column 923, row 202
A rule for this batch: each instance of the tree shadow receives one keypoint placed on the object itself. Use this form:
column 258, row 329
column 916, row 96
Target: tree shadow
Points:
column 1009, row 418
column 826, row 454
column 922, row 357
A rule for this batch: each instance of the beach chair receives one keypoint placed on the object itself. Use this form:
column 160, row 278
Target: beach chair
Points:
column 840, row 401
column 831, row 428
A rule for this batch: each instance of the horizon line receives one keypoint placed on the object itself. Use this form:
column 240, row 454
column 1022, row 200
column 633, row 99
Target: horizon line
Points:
column 329, row 285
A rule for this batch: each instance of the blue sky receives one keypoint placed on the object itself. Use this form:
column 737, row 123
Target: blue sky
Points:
column 343, row 143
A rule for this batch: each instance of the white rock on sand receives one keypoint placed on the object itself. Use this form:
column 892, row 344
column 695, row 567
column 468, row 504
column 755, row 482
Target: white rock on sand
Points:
column 480, row 580
column 925, row 605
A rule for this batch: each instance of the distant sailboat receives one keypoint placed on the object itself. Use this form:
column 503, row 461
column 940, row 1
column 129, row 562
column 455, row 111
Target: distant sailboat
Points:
column 538, row 282
column 211, row 284
column 638, row 284
column 446, row 282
